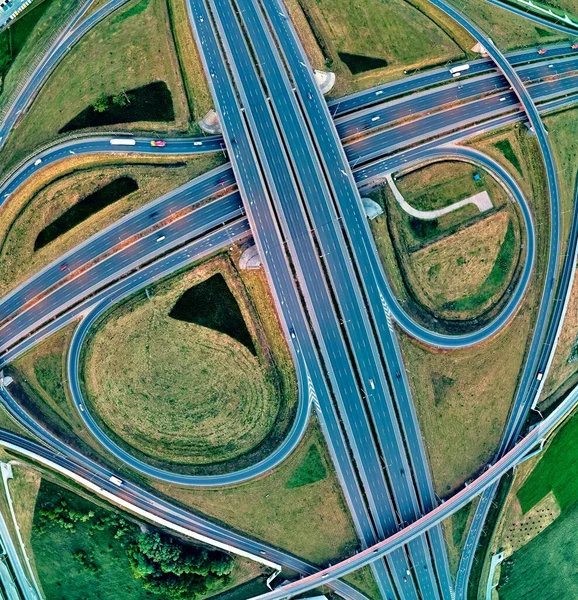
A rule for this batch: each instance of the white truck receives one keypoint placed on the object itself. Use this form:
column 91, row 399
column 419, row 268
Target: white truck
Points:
column 457, row 71
column 116, row 480
column 123, row 142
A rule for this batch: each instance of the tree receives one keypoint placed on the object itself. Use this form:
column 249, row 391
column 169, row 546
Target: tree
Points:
column 177, row 570
column 100, row 105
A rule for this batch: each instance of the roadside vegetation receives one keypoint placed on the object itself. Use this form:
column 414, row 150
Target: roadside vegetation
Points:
column 368, row 43
column 539, row 517
column 507, row 30
column 475, row 387
column 133, row 47
column 190, row 394
column 455, row 267
column 49, row 214
column 85, row 551
column 310, row 520
column 25, row 39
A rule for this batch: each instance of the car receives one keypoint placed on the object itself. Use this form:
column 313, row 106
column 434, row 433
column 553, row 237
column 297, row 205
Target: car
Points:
column 574, row 46
column 197, row 143
column 37, row 162
column 161, row 238
column 292, row 332
column 81, row 407
column 310, row 96
column 503, row 99
column 158, row 143
column 539, row 376
column 63, row 266
column 542, row 51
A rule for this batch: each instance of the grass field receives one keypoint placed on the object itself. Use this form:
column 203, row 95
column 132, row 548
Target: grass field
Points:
column 115, row 56
column 106, row 573
column 190, row 394
column 456, row 270
column 508, row 31
column 457, row 266
column 475, row 387
column 556, row 471
column 546, row 566
column 312, row 520
column 42, row 201
column 26, row 37
column 375, row 41
column 563, row 131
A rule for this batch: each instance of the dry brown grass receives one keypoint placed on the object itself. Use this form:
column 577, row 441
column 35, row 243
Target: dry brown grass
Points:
column 188, row 394
column 311, row 521
column 23, row 489
column 463, row 398
column 458, row 265
column 40, row 201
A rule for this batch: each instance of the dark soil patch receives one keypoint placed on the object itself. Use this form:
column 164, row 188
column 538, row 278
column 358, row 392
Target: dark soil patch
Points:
column 211, row 304
column 151, row 102
column 85, row 208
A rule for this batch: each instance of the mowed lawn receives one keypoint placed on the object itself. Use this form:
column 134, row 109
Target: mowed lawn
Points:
column 373, row 39
column 44, row 199
column 188, row 394
column 130, row 48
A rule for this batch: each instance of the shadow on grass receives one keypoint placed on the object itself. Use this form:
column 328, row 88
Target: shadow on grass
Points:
column 211, row 304
column 357, row 63
column 85, row 208
column 151, row 102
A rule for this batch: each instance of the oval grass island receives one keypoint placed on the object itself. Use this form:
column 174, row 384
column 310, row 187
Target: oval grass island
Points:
column 182, row 374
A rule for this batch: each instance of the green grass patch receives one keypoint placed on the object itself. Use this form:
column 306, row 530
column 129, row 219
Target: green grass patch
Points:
column 358, row 63
column 310, row 470
column 459, row 522
column 556, row 471
column 13, row 38
column 505, row 147
column 48, row 371
column 211, row 304
column 441, row 385
column 135, row 9
column 546, row 566
column 422, row 229
column 151, row 102
column 85, row 208
column 495, row 280
column 84, row 552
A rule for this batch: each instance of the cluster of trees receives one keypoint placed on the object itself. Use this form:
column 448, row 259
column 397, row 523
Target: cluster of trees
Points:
column 61, row 514
column 177, row 570
column 104, row 102
column 165, row 565
column 85, row 561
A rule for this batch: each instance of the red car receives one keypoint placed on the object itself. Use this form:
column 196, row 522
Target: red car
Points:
column 542, row 51
column 63, row 267
column 575, row 46
column 158, row 143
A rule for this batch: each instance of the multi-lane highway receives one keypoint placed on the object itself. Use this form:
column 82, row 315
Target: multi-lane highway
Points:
column 305, row 214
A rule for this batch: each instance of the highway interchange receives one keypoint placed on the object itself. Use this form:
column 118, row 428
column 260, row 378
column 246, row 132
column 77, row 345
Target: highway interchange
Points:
column 280, row 208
